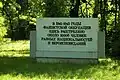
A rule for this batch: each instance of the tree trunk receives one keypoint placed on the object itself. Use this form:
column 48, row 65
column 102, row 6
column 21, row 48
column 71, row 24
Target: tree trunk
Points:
column 74, row 11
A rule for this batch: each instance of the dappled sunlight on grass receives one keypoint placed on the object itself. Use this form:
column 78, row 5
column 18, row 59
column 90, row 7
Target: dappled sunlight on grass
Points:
column 16, row 45
column 15, row 49
column 15, row 53
column 15, row 64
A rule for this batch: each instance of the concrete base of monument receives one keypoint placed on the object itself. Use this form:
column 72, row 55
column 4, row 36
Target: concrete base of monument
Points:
column 68, row 60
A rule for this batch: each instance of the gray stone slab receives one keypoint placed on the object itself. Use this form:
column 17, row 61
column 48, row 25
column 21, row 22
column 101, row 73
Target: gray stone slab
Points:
column 66, row 54
column 32, row 44
column 66, row 60
column 101, row 44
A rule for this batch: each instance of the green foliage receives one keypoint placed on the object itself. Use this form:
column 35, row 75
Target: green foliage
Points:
column 3, row 29
column 2, row 32
column 87, row 8
column 55, row 8
column 1, row 5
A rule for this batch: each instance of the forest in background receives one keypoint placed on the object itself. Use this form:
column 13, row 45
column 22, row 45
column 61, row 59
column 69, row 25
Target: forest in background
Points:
column 18, row 17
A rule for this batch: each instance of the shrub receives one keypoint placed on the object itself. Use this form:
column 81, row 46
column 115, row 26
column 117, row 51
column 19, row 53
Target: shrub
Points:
column 3, row 29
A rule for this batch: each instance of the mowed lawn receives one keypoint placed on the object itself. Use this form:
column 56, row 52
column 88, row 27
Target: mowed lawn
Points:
column 15, row 64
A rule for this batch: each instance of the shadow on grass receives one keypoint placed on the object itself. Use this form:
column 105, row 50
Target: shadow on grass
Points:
column 16, row 51
column 28, row 67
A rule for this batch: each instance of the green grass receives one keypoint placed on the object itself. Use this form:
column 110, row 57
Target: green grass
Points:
column 15, row 49
column 15, row 64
